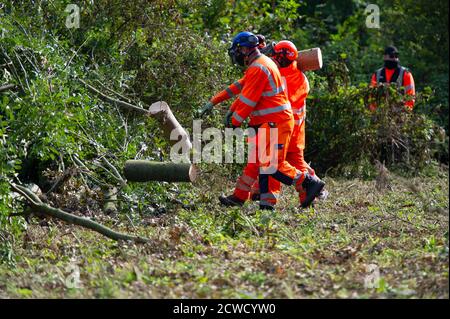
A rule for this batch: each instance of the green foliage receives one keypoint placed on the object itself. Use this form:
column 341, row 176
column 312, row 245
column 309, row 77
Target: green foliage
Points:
column 344, row 135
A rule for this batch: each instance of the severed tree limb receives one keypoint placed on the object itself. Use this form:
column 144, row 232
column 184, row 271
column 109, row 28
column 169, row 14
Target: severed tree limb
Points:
column 159, row 110
column 45, row 209
column 7, row 87
column 173, row 130
column 144, row 171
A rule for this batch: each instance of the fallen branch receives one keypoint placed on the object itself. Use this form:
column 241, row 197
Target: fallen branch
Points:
column 45, row 209
column 115, row 172
column 124, row 105
column 7, row 87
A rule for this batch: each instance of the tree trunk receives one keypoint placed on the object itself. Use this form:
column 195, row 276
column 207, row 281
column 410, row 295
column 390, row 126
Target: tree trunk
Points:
column 145, row 171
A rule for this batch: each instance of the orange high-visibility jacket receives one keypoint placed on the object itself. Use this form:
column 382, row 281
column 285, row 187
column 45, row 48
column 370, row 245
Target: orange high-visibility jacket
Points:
column 297, row 86
column 404, row 80
column 262, row 97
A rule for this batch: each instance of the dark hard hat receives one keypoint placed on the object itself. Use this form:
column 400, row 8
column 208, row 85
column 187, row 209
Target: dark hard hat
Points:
column 391, row 50
column 245, row 39
column 261, row 38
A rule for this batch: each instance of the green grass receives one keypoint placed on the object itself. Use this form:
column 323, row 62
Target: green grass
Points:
column 213, row 252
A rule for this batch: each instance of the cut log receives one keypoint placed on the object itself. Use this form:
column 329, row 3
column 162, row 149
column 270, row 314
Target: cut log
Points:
column 309, row 60
column 145, row 171
column 161, row 111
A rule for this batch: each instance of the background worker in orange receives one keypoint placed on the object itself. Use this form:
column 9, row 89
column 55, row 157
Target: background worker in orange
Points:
column 393, row 72
column 264, row 101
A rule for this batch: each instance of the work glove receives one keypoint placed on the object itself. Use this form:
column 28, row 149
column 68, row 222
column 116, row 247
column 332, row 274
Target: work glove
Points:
column 227, row 121
column 206, row 108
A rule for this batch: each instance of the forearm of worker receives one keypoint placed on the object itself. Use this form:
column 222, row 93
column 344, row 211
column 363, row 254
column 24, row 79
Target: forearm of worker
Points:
column 220, row 97
column 230, row 92
column 255, row 81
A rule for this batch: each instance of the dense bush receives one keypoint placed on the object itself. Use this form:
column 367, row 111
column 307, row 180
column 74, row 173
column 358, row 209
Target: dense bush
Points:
column 345, row 137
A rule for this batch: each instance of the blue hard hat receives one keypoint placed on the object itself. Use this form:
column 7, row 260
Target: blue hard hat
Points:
column 245, row 39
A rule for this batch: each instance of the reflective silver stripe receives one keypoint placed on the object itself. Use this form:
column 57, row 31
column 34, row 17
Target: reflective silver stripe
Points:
column 300, row 121
column 247, row 101
column 243, row 187
column 267, row 72
column 265, row 203
column 400, row 76
column 409, row 87
column 399, row 79
column 230, row 93
column 275, row 90
column 272, row 93
column 247, row 179
column 379, row 74
column 299, row 110
column 237, row 117
column 268, row 196
column 238, row 85
column 271, row 110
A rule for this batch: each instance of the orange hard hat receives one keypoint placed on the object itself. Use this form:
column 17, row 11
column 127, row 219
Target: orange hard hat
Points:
column 287, row 48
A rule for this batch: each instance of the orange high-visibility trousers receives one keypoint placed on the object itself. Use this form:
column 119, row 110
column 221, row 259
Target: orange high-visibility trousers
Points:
column 247, row 184
column 295, row 157
column 280, row 169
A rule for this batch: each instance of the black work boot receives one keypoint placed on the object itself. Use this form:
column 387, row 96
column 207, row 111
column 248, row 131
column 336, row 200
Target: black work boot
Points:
column 230, row 200
column 255, row 197
column 266, row 207
column 312, row 186
column 323, row 195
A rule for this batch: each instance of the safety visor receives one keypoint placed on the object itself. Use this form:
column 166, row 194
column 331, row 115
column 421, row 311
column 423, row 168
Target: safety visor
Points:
column 393, row 55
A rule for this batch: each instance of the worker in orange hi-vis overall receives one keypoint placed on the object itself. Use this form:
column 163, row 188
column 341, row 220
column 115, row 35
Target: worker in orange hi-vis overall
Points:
column 297, row 87
column 264, row 101
column 394, row 73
